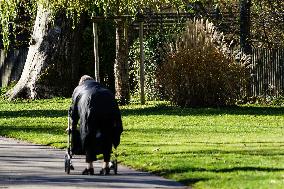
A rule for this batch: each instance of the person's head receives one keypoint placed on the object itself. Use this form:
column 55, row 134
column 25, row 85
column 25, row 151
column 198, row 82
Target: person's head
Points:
column 85, row 78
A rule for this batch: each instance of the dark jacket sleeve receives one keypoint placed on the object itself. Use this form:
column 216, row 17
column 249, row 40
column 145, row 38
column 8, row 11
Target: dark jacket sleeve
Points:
column 73, row 110
column 118, row 128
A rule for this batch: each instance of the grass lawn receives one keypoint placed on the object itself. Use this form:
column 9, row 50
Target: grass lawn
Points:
column 240, row 147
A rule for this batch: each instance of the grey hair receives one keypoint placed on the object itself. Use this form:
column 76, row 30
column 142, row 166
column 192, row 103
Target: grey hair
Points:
column 85, row 78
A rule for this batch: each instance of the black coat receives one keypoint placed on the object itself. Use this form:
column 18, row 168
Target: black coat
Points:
column 99, row 115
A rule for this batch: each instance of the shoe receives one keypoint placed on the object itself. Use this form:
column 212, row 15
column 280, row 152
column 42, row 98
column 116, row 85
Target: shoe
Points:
column 72, row 167
column 91, row 171
column 105, row 171
column 88, row 171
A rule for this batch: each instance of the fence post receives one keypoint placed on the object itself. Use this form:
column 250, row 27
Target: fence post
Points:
column 142, row 58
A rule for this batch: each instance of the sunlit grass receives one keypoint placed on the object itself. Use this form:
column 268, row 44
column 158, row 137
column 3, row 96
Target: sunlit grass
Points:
column 240, row 147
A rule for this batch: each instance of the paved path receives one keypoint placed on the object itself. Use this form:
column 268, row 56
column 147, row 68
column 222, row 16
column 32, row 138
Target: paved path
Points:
column 24, row 165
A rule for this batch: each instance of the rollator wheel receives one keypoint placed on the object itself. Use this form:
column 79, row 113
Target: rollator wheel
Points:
column 104, row 171
column 67, row 164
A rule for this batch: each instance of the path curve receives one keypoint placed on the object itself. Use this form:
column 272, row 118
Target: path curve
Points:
column 24, row 165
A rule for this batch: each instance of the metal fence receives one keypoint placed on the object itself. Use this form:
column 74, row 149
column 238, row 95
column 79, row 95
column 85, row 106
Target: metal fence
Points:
column 267, row 72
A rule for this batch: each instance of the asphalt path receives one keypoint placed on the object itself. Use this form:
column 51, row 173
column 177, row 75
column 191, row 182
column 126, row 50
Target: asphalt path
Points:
column 25, row 165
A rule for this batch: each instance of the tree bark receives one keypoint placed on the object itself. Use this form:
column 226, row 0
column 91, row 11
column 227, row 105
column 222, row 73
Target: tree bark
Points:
column 245, row 35
column 245, row 25
column 96, row 52
column 142, row 67
column 121, row 64
column 51, row 67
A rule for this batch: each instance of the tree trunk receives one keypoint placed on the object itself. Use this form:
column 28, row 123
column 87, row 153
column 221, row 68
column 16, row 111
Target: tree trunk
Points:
column 245, row 24
column 96, row 52
column 142, row 60
column 245, row 36
column 52, row 60
column 121, row 64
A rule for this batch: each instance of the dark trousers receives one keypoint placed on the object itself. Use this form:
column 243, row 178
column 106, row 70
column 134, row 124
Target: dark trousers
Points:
column 105, row 149
column 91, row 156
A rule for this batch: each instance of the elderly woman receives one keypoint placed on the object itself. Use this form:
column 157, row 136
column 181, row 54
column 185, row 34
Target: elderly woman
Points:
column 100, row 121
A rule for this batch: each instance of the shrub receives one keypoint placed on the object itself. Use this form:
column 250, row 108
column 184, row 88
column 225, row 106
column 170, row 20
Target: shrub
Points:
column 200, row 70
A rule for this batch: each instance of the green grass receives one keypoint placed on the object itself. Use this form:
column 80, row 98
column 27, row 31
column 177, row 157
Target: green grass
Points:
column 240, row 147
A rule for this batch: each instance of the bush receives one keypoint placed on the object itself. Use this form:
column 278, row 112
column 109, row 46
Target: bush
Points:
column 200, row 70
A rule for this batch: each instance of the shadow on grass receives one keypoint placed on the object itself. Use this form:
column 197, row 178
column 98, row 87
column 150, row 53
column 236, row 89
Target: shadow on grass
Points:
column 158, row 110
column 235, row 110
column 221, row 153
column 221, row 170
column 41, row 129
column 191, row 181
column 33, row 113
column 203, row 171
column 263, row 169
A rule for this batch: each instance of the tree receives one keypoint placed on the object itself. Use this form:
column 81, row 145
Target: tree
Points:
column 47, row 41
column 268, row 23
column 53, row 48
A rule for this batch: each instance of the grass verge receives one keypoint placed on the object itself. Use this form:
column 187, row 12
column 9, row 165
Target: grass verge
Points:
column 240, row 147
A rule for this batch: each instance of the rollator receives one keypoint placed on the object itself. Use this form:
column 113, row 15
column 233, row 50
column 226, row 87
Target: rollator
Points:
column 74, row 148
